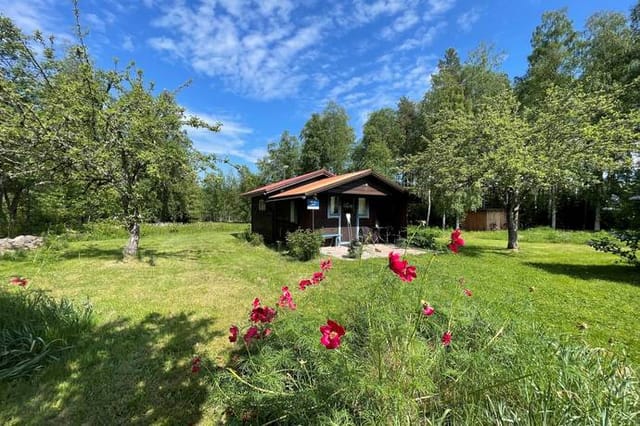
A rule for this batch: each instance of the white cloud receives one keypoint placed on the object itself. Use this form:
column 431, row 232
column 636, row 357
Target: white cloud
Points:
column 127, row 44
column 402, row 23
column 467, row 19
column 94, row 22
column 231, row 140
column 422, row 38
column 438, row 7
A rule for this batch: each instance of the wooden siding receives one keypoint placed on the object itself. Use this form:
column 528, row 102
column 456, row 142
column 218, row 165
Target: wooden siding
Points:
column 485, row 220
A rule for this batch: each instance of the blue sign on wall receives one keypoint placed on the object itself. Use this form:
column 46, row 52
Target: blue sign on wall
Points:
column 313, row 204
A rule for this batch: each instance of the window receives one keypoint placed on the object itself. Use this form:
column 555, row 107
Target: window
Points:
column 262, row 206
column 293, row 212
column 334, row 207
column 363, row 207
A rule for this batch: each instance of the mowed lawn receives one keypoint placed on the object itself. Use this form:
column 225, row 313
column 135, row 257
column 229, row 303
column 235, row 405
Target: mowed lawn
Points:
column 191, row 282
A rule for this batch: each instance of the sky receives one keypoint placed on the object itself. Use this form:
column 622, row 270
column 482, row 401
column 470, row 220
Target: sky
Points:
column 262, row 67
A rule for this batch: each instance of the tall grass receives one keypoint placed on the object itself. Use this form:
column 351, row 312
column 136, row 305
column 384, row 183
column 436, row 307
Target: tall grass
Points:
column 35, row 328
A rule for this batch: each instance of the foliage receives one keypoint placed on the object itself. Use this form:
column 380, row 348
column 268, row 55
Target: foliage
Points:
column 392, row 361
column 282, row 160
column 382, row 141
column 624, row 244
column 423, row 237
column 327, row 140
column 253, row 238
column 304, row 244
column 35, row 329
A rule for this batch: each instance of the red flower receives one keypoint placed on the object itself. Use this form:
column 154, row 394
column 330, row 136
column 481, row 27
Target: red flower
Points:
column 195, row 364
column 22, row 282
column 401, row 267
column 304, row 284
column 331, row 334
column 428, row 310
column 317, row 277
column 446, row 338
column 456, row 241
column 325, row 265
column 286, row 299
column 233, row 334
column 266, row 332
column 252, row 333
column 260, row 314
column 468, row 292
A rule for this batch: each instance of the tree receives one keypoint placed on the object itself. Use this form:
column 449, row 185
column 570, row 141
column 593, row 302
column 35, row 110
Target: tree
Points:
column 381, row 144
column 282, row 160
column 327, row 140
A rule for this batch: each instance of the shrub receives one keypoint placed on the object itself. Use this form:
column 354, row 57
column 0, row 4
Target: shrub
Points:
column 423, row 237
column 623, row 243
column 253, row 238
column 304, row 244
column 355, row 249
column 35, row 328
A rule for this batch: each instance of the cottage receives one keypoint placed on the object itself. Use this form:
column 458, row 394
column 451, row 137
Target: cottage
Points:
column 343, row 207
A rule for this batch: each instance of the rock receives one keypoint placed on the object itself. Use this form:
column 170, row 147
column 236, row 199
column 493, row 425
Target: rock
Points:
column 21, row 242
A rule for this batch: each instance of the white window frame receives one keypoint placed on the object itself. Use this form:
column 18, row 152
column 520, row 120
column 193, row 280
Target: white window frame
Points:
column 334, row 201
column 365, row 214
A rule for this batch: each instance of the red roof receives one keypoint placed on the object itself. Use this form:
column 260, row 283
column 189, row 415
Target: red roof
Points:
column 332, row 182
column 283, row 184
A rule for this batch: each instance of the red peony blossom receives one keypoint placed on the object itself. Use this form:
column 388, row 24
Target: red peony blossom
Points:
column 468, row 292
column 325, row 265
column 401, row 267
column 261, row 314
column 317, row 277
column 304, row 284
column 251, row 334
column 286, row 300
column 266, row 332
column 256, row 302
column 331, row 334
column 195, row 364
column 428, row 310
column 456, row 241
column 20, row 281
column 446, row 338
column 233, row 334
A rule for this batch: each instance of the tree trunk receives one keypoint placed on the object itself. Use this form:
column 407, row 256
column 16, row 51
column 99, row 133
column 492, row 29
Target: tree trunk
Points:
column 428, row 206
column 444, row 221
column 513, row 216
column 596, row 221
column 131, row 249
column 457, row 222
column 553, row 208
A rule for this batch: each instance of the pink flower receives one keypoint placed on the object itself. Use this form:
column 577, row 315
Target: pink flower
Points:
column 233, row 334
column 266, row 332
column 195, row 364
column 456, row 241
column 401, row 267
column 251, row 334
column 286, row 300
column 256, row 302
column 317, row 277
column 325, row 265
column 20, row 281
column 331, row 334
column 428, row 310
column 304, row 284
column 468, row 292
column 446, row 338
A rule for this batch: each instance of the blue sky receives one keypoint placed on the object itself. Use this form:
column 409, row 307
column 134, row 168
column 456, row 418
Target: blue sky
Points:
column 261, row 67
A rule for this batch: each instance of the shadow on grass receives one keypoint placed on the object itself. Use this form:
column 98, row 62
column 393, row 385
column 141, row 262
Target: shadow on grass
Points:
column 94, row 252
column 122, row 373
column 618, row 273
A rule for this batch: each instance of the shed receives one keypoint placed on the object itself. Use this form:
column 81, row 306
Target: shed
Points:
column 485, row 220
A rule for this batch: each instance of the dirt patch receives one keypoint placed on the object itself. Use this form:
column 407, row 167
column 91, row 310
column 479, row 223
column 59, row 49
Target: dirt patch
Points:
column 369, row 251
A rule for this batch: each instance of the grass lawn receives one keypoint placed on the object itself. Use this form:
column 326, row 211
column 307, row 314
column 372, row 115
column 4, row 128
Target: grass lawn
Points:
column 192, row 282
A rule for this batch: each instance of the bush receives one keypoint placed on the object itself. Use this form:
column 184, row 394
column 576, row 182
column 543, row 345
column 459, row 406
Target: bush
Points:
column 304, row 244
column 35, row 329
column 253, row 238
column 355, row 250
column 623, row 243
column 421, row 237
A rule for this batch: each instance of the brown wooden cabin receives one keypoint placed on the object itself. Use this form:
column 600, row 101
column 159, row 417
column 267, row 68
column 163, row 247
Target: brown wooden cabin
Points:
column 485, row 220
column 322, row 201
